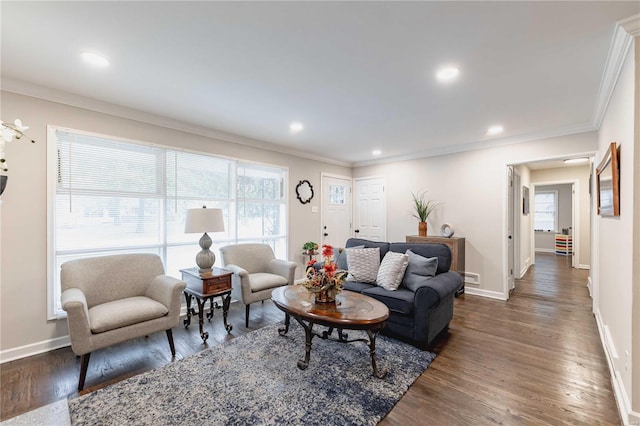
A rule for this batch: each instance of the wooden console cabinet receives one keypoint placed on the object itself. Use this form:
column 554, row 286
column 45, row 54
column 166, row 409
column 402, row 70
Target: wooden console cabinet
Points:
column 455, row 244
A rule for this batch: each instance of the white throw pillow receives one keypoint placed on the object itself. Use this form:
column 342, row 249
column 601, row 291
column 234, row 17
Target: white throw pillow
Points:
column 363, row 264
column 392, row 269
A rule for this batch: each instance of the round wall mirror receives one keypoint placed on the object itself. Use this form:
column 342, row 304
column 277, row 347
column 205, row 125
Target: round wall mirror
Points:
column 304, row 191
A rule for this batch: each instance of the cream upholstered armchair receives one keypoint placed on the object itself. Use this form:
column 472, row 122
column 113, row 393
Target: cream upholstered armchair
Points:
column 111, row 299
column 256, row 272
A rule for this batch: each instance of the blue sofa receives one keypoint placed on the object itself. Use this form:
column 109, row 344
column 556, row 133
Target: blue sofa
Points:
column 415, row 316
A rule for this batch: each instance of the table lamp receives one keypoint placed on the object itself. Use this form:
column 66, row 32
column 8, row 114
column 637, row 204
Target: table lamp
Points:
column 204, row 220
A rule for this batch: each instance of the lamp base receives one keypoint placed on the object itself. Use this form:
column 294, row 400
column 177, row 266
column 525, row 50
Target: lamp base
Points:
column 205, row 258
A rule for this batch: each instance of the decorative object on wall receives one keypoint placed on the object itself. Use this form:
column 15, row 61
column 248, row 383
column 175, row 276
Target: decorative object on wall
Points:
column 608, row 182
column 304, row 191
column 447, row 231
column 422, row 208
column 9, row 132
column 204, row 220
column 525, row 200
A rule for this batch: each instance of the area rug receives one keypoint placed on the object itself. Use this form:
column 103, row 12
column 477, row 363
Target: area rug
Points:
column 253, row 379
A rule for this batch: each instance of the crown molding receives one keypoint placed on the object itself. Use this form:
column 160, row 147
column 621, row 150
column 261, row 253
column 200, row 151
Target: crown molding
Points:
column 61, row 97
column 478, row 145
column 623, row 35
column 631, row 25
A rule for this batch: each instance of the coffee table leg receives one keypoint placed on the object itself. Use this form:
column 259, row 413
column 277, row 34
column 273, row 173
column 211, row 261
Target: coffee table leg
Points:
column 287, row 322
column 308, row 330
column 226, row 301
column 372, row 350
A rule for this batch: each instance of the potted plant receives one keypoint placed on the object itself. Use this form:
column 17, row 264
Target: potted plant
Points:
column 422, row 207
column 310, row 247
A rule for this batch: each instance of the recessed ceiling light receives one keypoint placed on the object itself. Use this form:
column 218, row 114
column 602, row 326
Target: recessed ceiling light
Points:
column 494, row 130
column 576, row 160
column 295, row 127
column 95, row 59
column 376, row 152
column 447, row 74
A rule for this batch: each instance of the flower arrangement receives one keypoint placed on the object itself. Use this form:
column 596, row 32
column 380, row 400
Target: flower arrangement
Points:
column 9, row 132
column 326, row 282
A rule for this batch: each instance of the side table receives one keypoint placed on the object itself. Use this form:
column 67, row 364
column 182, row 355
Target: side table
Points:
column 206, row 286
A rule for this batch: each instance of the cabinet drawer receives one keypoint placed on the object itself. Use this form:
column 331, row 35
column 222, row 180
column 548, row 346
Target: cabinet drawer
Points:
column 213, row 285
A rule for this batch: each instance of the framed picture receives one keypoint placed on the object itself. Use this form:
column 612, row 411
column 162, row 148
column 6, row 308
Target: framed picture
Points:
column 608, row 182
column 525, row 200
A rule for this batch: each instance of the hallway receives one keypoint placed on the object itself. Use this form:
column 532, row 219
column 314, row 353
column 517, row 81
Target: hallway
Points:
column 535, row 359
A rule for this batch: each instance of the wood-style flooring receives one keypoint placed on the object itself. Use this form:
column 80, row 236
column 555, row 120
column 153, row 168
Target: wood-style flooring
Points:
column 535, row 359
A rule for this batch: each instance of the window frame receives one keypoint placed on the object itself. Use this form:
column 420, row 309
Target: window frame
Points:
column 164, row 245
column 554, row 192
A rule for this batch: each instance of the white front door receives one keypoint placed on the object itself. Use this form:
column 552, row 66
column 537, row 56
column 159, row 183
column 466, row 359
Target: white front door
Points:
column 370, row 209
column 336, row 210
column 510, row 226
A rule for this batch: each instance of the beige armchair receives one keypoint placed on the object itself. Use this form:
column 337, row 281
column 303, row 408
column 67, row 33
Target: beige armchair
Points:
column 112, row 299
column 256, row 272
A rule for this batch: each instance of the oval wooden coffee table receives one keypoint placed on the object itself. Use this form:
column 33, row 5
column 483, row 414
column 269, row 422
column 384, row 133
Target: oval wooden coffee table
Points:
column 351, row 311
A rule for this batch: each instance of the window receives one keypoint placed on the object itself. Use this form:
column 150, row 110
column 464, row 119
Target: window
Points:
column 110, row 196
column 546, row 211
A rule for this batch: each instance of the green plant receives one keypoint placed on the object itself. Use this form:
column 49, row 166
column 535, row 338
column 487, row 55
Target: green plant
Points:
column 310, row 246
column 422, row 206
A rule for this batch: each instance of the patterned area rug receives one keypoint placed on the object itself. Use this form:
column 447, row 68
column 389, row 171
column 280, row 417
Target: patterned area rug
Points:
column 253, row 379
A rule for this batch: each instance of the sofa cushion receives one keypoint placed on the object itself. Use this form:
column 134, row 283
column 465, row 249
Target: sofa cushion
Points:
column 441, row 251
column 419, row 269
column 356, row 286
column 399, row 301
column 391, row 270
column 124, row 312
column 363, row 264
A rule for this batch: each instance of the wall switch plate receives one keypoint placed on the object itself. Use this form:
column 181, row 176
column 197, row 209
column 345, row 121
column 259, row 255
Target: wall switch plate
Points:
column 314, row 209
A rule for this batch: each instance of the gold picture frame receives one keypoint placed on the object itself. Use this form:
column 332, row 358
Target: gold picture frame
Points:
column 608, row 182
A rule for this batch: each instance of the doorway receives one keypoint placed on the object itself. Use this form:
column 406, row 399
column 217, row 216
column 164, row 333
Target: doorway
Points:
column 336, row 210
column 370, row 208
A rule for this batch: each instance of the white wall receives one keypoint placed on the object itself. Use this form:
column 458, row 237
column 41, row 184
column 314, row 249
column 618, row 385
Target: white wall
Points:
column 472, row 187
column 23, row 231
column 615, row 289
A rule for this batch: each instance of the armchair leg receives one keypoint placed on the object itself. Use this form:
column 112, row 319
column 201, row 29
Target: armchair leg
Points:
column 246, row 315
column 171, row 345
column 84, row 364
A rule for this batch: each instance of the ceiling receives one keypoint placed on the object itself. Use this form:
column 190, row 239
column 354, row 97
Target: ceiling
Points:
column 359, row 75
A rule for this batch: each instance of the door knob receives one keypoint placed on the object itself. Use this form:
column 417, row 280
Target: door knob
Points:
column 357, row 231
column 325, row 234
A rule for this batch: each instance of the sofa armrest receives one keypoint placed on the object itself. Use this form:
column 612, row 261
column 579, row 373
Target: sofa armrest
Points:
column 167, row 290
column 442, row 285
column 283, row 268
column 74, row 303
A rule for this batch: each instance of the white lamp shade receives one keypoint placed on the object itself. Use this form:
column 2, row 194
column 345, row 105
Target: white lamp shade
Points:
column 203, row 220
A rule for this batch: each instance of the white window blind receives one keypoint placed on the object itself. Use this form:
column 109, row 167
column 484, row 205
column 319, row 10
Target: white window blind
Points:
column 546, row 211
column 113, row 197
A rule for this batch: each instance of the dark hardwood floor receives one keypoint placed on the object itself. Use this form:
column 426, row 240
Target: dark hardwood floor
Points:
column 535, row 359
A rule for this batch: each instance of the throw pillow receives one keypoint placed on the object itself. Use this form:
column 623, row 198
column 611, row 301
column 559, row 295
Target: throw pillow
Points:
column 341, row 258
column 392, row 270
column 363, row 264
column 420, row 268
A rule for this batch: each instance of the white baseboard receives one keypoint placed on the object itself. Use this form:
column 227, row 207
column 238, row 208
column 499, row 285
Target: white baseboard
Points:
column 583, row 266
column 525, row 268
column 628, row 416
column 590, row 287
column 34, row 349
column 485, row 293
